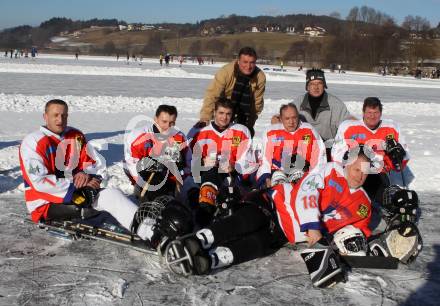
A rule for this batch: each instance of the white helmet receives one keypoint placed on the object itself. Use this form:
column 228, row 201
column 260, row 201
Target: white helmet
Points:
column 350, row 240
column 278, row 177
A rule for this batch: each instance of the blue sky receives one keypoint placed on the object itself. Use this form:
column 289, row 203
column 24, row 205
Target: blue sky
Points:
column 33, row 12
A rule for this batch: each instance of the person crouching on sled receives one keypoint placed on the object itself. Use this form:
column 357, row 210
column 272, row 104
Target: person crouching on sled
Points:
column 290, row 149
column 384, row 137
column 220, row 152
column 394, row 204
column 63, row 182
column 156, row 156
column 325, row 200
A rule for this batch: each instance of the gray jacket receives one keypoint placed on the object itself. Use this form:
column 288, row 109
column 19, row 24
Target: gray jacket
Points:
column 329, row 115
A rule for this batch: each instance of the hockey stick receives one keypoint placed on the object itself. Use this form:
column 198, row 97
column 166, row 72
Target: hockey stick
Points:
column 147, row 184
column 401, row 173
column 371, row 262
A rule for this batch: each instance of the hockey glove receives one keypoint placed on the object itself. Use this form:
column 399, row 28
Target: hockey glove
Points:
column 403, row 242
column 395, row 152
column 400, row 203
column 148, row 165
column 278, row 177
column 84, row 196
column 295, row 175
column 323, row 265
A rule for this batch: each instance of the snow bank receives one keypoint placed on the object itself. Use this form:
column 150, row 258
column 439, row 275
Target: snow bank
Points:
column 100, row 70
column 290, row 75
column 111, row 104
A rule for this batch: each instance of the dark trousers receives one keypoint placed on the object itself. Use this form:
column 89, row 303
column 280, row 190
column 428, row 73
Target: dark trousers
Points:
column 68, row 212
column 250, row 232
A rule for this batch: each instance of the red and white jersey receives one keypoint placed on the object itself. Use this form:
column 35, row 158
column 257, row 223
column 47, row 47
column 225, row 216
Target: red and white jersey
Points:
column 279, row 145
column 354, row 132
column 147, row 141
column 231, row 145
column 322, row 200
column 48, row 161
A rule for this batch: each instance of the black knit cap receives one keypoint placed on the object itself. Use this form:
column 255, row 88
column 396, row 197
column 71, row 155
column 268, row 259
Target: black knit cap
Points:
column 315, row 74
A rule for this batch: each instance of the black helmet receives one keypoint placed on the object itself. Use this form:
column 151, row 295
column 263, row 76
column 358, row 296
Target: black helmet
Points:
column 175, row 220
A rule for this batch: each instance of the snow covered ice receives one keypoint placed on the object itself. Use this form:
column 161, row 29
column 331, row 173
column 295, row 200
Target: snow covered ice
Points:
column 104, row 95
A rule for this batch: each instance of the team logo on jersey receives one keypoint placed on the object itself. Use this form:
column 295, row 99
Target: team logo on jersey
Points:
column 362, row 211
column 34, row 169
column 358, row 136
column 307, row 138
column 332, row 215
column 311, row 182
column 278, row 139
column 236, row 141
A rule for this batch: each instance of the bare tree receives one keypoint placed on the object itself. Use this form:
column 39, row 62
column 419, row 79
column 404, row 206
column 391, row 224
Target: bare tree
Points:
column 408, row 23
column 365, row 14
column 353, row 15
column 297, row 51
column 416, row 23
column 420, row 50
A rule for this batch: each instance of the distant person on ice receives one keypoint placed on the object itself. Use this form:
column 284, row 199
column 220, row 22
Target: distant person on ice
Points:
column 33, row 52
column 63, row 181
column 242, row 82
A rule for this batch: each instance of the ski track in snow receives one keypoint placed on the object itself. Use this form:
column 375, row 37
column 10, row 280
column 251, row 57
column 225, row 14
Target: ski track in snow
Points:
column 38, row 268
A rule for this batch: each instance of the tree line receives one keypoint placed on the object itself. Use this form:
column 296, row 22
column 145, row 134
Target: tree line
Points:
column 364, row 39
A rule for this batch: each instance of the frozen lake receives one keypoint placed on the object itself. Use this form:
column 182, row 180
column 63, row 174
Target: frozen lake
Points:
column 104, row 95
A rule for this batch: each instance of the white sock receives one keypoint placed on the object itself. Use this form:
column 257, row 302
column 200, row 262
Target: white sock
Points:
column 221, row 257
column 206, row 237
column 144, row 230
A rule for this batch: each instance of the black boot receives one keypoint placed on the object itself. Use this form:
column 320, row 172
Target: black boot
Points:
column 201, row 259
column 186, row 256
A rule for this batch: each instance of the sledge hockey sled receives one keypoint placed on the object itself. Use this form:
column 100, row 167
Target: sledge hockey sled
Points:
column 108, row 233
